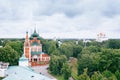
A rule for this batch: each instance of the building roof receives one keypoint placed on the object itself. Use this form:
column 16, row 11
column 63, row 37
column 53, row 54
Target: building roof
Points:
column 3, row 65
column 35, row 43
column 23, row 58
column 45, row 55
column 23, row 73
column 35, row 34
column 36, row 53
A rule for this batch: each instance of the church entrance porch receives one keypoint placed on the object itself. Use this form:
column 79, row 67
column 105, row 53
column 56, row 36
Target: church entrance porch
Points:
column 40, row 63
column 36, row 61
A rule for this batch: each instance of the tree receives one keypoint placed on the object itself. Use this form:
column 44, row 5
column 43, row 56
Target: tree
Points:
column 48, row 46
column 56, row 52
column 52, row 47
column 66, row 49
column 80, row 42
column 56, row 64
column 114, row 44
column 117, row 74
column 89, row 61
column 84, row 76
column 76, row 50
column 85, row 51
column 7, row 54
column 109, row 75
column 109, row 60
column 93, row 49
column 97, row 76
column 66, row 70
column 17, row 46
column 45, row 45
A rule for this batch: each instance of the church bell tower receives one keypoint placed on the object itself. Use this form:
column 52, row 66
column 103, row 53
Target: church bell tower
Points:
column 27, row 46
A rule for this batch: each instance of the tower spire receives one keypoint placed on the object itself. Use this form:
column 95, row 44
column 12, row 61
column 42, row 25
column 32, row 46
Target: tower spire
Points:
column 26, row 39
column 35, row 29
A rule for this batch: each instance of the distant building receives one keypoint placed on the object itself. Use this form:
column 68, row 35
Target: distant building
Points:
column 86, row 40
column 59, row 43
column 3, row 69
column 101, row 37
column 33, row 50
column 76, row 42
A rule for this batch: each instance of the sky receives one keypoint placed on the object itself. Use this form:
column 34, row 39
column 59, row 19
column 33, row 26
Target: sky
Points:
column 60, row 18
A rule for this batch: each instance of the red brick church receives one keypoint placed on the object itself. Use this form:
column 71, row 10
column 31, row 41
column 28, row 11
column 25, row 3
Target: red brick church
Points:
column 33, row 50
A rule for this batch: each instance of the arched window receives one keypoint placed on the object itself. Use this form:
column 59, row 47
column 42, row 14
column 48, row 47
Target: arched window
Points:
column 35, row 58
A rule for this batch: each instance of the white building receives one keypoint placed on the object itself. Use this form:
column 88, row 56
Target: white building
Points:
column 101, row 37
column 59, row 43
column 3, row 69
column 23, row 72
column 23, row 61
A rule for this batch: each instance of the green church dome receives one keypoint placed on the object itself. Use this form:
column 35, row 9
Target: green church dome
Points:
column 31, row 37
column 38, row 37
column 35, row 34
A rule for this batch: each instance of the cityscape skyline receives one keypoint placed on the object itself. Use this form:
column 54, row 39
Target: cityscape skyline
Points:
column 60, row 19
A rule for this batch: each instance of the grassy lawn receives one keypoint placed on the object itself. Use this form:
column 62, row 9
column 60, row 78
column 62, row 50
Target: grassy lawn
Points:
column 59, row 77
column 74, row 66
column 74, row 75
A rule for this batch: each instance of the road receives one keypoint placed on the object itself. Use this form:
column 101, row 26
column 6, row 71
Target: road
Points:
column 43, row 70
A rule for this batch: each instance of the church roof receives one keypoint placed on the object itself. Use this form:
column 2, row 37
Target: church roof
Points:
column 35, row 53
column 35, row 34
column 45, row 55
column 35, row 43
column 23, row 58
column 23, row 73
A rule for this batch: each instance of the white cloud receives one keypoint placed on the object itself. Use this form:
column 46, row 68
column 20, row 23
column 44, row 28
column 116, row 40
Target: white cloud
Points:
column 61, row 18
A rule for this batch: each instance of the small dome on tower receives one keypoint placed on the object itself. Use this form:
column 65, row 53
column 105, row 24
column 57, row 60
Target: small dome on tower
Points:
column 23, row 58
column 35, row 34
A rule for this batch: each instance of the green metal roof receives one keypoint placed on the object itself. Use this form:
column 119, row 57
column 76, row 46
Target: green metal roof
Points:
column 31, row 37
column 23, row 73
column 35, row 43
column 35, row 34
column 35, row 53
column 38, row 37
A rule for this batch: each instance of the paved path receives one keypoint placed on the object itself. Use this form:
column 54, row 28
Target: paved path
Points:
column 43, row 70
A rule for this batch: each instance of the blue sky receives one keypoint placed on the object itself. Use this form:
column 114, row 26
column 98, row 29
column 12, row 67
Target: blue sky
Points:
column 60, row 18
